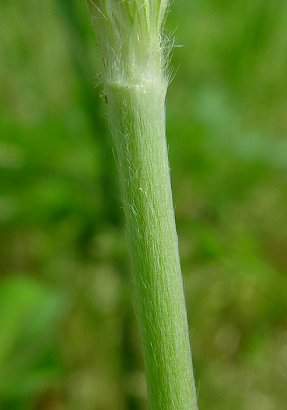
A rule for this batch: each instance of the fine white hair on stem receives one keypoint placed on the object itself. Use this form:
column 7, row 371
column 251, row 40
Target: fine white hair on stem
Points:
column 130, row 40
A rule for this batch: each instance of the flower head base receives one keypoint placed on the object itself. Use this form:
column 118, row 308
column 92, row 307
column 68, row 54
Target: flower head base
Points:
column 129, row 36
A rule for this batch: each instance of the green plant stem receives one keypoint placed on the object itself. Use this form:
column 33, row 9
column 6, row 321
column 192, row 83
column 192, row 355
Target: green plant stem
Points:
column 137, row 116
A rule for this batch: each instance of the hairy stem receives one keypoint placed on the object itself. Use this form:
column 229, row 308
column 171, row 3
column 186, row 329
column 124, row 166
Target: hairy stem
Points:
column 138, row 123
column 135, row 94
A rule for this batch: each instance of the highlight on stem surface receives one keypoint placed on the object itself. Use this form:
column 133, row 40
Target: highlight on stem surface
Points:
column 130, row 40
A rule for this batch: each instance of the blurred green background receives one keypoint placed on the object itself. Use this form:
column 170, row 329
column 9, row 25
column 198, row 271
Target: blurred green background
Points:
column 68, row 335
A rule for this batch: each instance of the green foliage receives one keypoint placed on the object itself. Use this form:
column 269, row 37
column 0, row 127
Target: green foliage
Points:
column 28, row 360
column 59, row 204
